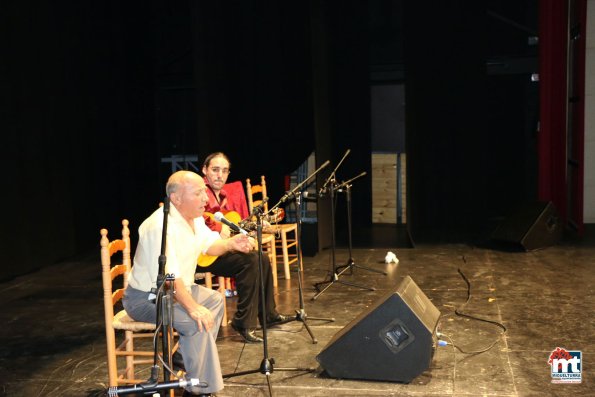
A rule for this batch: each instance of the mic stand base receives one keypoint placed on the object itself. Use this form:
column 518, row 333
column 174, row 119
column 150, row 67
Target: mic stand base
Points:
column 267, row 368
column 300, row 315
column 335, row 279
column 351, row 264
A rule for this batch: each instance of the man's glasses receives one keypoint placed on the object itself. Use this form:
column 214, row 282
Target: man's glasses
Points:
column 217, row 170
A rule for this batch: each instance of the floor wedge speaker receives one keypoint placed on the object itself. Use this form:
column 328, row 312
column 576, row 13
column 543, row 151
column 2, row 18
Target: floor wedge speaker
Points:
column 393, row 340
column 531, row 226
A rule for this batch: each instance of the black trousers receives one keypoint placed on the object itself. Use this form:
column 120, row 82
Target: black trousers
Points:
column 244, row 268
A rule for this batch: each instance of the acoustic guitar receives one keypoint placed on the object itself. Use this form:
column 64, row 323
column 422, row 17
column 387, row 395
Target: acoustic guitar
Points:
column 205, row 260
column 231, row 216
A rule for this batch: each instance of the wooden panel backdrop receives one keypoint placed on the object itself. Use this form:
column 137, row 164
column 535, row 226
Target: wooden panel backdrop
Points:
column 384, row 187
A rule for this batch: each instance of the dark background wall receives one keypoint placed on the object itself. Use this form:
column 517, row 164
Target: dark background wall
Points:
column 78, row 120
column 95, row 94
column 471, row 115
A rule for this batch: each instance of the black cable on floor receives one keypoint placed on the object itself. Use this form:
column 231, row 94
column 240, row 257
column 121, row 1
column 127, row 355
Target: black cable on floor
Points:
column 458, row 312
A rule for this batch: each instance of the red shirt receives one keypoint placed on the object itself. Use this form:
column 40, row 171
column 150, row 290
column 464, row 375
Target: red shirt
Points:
column 214, row 205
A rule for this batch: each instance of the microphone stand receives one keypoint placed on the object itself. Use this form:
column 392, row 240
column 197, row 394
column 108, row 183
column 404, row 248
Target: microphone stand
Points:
column 334, row 277
column 301, row 314
column 331, row 178
column 266, row 366
column 346, row 186
column 164, row 302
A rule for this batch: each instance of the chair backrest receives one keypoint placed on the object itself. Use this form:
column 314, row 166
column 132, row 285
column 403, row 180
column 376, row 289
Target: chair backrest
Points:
column 236, row 198
column 111, row 297
column 110, row 271
column 256, row 194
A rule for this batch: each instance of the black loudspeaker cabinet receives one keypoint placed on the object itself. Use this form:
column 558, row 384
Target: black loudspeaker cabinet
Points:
column 531, row 226
column 393, row 340
column 309, row 238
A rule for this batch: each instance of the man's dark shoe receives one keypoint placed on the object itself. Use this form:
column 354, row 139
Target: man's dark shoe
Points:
column 279, row 319
column 178, row 361
column 247, row 333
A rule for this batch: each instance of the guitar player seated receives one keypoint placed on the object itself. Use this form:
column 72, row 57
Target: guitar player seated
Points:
column 243, row 267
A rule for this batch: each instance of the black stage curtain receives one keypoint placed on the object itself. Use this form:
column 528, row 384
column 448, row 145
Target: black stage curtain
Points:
column 83, row 125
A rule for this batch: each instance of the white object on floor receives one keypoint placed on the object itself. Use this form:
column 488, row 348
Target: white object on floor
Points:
column 391, row 258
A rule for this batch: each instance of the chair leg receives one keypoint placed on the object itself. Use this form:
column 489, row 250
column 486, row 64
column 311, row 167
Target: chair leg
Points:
column 209, row 284
column 285, row 255
column 272, row 253
column 112, row 365
column 129, row 373
column 222, row 284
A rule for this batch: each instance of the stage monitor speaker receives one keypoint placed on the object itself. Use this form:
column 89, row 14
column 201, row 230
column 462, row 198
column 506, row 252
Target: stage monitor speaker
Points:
column 532, row 226
column 393, row 340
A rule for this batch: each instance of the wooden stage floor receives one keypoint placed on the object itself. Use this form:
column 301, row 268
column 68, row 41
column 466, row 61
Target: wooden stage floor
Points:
column 53, row 341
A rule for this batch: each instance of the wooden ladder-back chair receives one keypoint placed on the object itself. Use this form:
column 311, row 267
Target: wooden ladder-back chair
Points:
column 122, row 357
column 268, row 240
column 286, row 232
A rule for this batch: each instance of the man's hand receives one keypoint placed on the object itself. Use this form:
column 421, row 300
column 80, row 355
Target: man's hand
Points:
column 201, row 314
column 240, row 243
column 204, row 318
column 253, row 242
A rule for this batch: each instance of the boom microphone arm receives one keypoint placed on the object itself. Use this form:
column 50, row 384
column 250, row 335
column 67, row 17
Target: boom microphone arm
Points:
column 331, row 177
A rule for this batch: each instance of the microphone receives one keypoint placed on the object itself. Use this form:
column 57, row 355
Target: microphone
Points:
column 258, row 209
column 115, row 391
column 347, row 183
column 309, row 196
column 220, row 218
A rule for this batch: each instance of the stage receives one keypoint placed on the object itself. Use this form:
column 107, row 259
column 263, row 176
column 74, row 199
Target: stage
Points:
column 53, row 341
